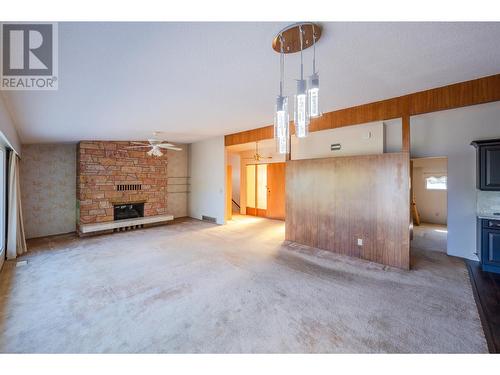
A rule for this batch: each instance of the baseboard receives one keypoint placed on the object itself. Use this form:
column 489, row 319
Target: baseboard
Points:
column 51, row 235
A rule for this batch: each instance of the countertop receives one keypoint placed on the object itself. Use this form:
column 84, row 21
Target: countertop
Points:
column 488, row 216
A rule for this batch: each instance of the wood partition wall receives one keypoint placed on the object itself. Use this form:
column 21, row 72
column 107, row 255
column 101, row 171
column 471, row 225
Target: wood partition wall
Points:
column 330, row 203
column 333, row 202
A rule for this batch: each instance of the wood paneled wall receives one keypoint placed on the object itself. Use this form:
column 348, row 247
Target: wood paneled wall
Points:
column 477, row 91
column 332, row 202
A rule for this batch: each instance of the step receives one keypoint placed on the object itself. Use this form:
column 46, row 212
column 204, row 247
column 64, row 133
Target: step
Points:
column 107, row 225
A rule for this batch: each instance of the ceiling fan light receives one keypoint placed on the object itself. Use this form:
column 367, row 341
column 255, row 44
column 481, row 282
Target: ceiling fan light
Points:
column 155, row 151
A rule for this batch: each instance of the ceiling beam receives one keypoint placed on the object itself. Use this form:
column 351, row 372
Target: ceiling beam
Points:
column 477, row 91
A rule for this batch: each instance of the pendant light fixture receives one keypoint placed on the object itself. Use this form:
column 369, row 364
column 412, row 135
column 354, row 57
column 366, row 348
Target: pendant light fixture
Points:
column 313, row 90
column 296, row 38
column 300, row 108
column 281, row 117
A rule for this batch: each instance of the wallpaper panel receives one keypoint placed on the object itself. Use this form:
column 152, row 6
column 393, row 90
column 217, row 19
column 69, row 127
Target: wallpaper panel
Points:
column 48, row 189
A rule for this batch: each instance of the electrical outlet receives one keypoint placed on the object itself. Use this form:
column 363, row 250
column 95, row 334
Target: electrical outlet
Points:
column 360, row 242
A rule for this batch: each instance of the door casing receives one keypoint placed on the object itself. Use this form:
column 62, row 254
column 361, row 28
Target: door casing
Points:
column 275, row 191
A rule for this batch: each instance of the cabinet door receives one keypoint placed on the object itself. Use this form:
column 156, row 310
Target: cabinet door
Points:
column 491, row 247
column 490, row 167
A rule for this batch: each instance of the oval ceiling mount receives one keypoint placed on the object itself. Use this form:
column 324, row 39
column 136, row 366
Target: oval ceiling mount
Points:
column 291, row 36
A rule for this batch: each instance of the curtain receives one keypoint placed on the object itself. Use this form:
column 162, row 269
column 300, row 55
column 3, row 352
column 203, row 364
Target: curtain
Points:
column 16, row 242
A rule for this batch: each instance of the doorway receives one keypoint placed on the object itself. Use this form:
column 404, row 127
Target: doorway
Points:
column 265, row 190
column 256, row 189
column 429, row 199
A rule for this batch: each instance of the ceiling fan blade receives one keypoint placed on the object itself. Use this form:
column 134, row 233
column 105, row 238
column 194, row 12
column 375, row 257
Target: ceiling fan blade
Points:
column 172, row 148
column 138, row 143
column 138, row 146
column 165, row 145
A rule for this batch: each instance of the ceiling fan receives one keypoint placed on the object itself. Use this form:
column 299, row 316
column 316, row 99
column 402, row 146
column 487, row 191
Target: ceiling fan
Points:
column 257, row 156
column 156, row 146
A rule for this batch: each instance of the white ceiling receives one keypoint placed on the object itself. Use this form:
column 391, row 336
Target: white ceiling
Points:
column 123, row 81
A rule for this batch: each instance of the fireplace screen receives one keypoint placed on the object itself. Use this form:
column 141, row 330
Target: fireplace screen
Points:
column 128, row 211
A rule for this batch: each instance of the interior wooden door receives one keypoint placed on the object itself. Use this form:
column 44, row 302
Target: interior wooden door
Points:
column 276, row 191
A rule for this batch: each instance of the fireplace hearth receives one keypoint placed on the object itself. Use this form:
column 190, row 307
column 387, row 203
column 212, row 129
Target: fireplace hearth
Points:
column 128, row 211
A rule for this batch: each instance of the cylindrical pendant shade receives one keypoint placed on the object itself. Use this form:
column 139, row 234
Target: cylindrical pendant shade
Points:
column 301, row 112
column 281, row 125
column 313, row 95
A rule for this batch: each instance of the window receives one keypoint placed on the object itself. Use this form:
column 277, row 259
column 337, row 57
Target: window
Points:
column 436, row 183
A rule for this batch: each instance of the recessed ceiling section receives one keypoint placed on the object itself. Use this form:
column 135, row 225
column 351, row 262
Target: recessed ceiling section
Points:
column 192, row 81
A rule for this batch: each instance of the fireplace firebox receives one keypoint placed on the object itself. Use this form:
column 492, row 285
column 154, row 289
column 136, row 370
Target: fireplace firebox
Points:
column 128, row 211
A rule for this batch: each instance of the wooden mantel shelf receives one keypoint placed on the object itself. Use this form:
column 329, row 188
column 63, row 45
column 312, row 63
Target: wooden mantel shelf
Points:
column 108, row 225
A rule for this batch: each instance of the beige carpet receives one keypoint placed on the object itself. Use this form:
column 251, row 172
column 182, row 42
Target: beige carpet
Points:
column 198, row 287
column 432, row 237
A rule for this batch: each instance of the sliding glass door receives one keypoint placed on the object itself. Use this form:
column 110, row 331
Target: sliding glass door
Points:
column 3, row 186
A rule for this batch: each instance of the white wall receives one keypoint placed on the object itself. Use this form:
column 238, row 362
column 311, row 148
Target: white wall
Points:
column 449, row 133
column 364, row 139
column 431, row 204
column 8, row 133
column 207, row 168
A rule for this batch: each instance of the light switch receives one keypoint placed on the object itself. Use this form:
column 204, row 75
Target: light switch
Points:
column 360, row 242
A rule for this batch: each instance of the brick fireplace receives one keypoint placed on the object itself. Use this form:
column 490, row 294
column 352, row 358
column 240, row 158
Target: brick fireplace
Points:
column 109, row 174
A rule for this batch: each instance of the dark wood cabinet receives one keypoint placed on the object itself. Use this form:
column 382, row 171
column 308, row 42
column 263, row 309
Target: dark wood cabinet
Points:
column 488, row 164
column 490, row 244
